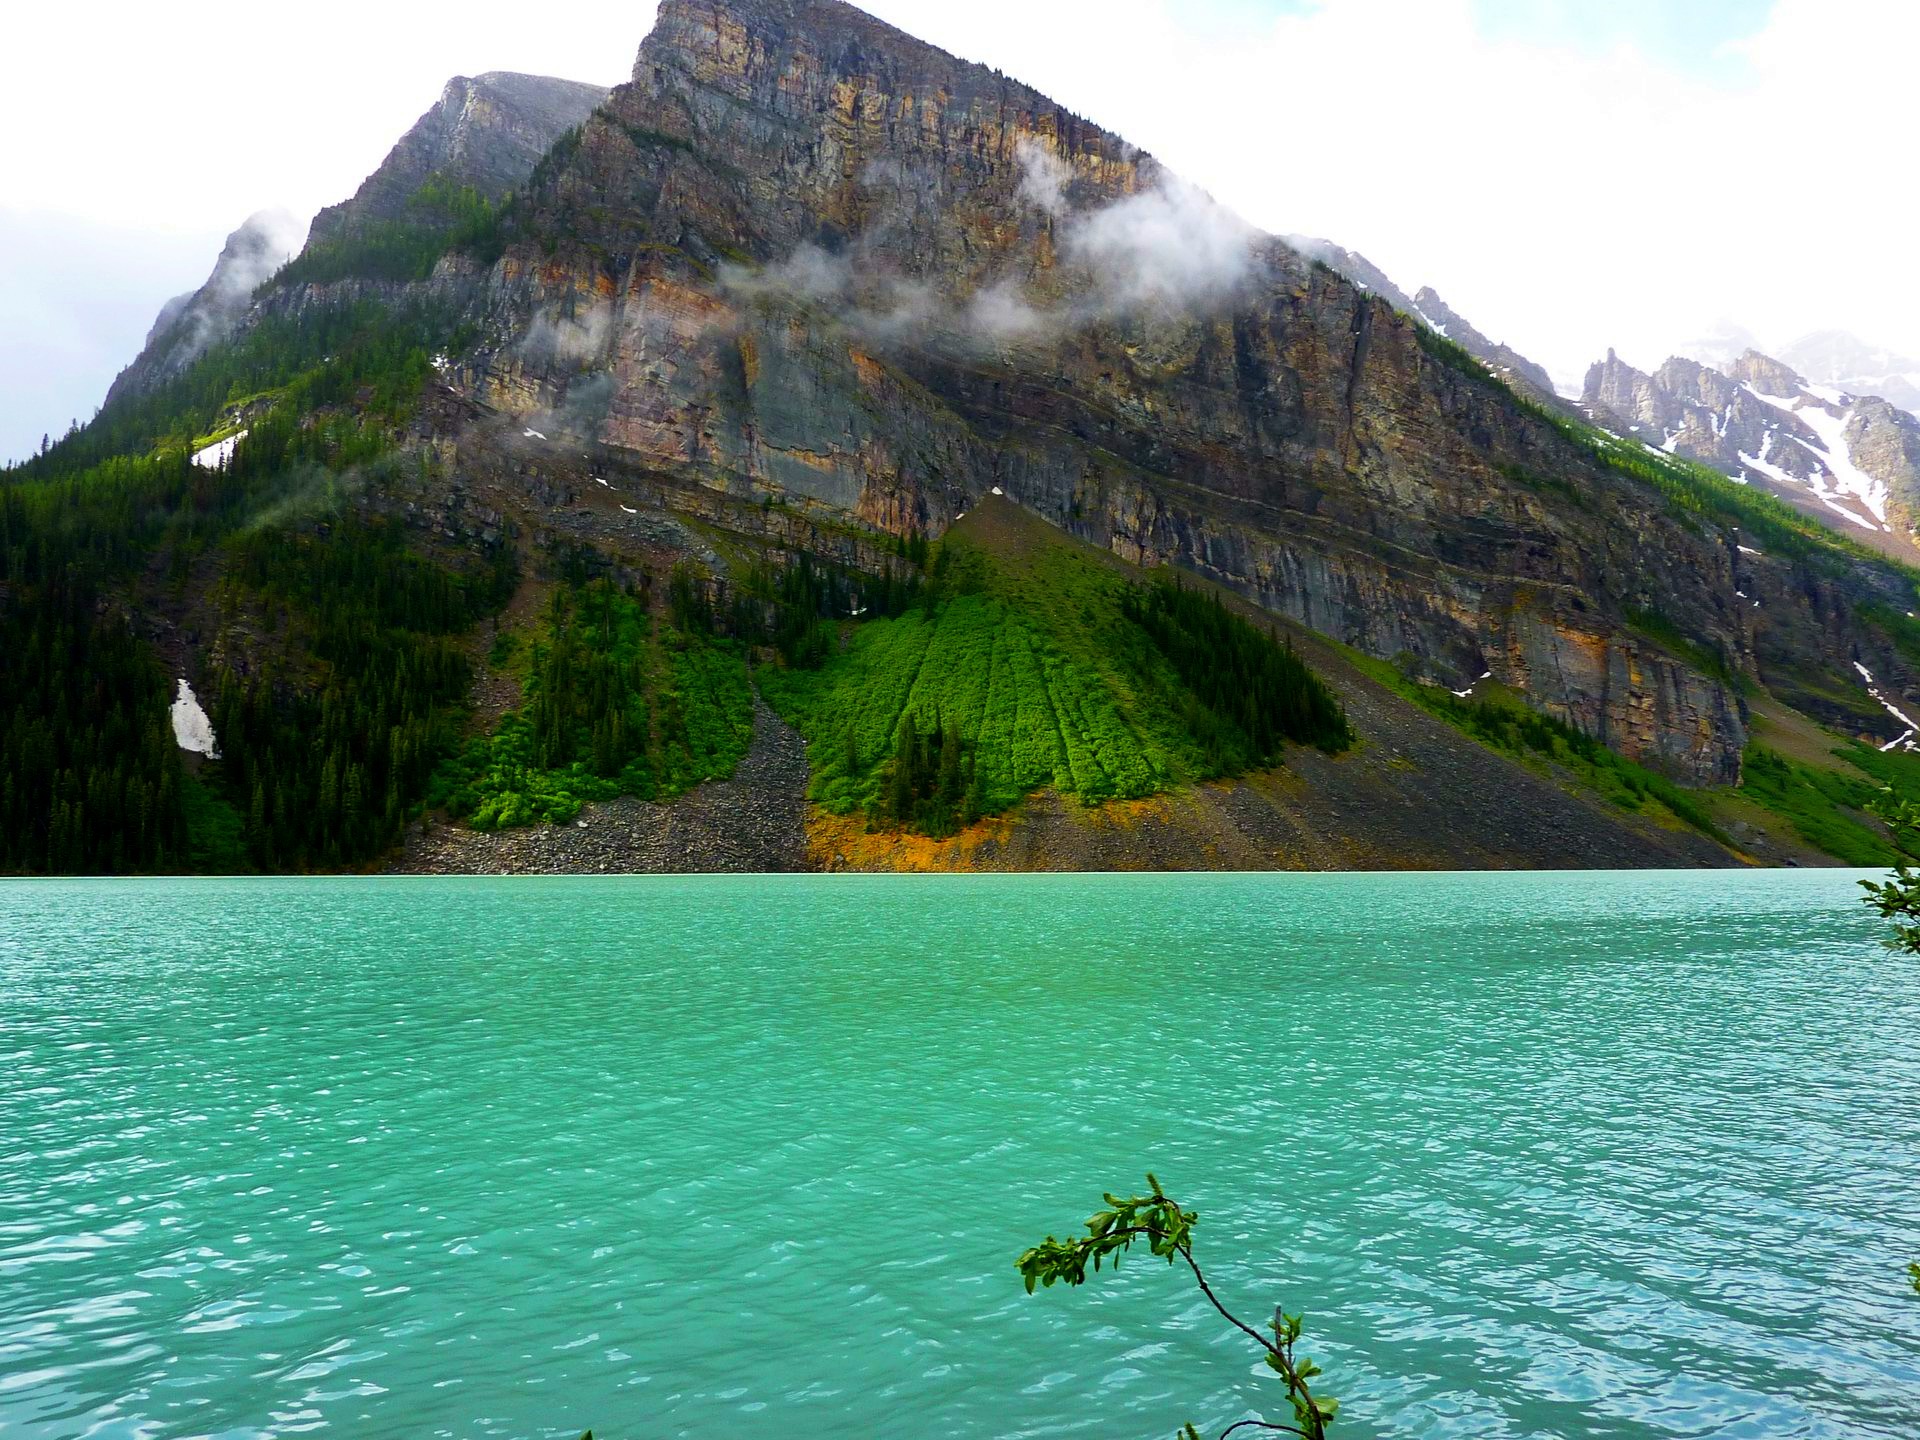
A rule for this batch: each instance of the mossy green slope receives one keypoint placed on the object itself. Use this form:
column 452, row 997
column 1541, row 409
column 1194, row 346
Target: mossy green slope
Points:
column 1037, row 654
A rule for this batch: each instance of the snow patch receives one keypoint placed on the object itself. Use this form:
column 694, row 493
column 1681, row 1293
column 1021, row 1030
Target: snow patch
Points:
column 533, row 435
column 1885, row 704
column 1844, row 480
column 216, row 455
column 630, row 510
column 192, row 730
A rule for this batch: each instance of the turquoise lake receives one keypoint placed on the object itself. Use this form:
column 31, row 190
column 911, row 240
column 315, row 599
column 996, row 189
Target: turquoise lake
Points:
column 1569, row 1155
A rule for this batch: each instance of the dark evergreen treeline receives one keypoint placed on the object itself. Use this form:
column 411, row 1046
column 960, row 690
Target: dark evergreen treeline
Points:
column 90, row 778
column 375, row 355
column 932, row 784
column 1250, row 694
column 325, row 774
column 616, row 704
column 796, row 609
column 589, row 690
column 321, row 753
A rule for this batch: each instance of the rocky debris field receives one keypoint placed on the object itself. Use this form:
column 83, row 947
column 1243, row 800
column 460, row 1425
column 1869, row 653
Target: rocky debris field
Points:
column 755, row 821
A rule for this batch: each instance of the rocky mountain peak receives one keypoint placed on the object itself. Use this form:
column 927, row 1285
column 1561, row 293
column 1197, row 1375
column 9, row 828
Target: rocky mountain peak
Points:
column 188, row 324
column 487, row 131
column 1846, row 362
column 1846, row 461
column 1767, row 375
column 827, row 110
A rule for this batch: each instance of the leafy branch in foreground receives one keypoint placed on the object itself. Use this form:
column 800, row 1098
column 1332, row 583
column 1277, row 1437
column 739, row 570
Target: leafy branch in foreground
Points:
column 1168, row 1230
column 1898, row 898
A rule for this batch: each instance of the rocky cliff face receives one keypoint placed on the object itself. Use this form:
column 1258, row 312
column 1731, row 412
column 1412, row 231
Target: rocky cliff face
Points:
column 804, row 255
column 801, row 257
column 1513, row 367
column 189, row 323
column 487, row 131
column 1427, row 307
column 1850, row 461
column 807, row 256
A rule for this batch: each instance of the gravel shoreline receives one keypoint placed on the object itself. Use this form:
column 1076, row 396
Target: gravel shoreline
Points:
column 751, row 823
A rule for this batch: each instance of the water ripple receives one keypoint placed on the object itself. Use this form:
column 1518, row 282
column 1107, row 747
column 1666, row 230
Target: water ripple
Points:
column 1539, row 1155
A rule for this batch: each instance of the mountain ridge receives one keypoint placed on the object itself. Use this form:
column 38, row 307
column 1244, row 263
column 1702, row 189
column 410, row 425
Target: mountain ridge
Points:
column 746, row 343
column 1850, row 461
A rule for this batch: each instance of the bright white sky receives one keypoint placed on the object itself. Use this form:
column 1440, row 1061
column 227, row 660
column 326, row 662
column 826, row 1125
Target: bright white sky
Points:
column 1569, row 175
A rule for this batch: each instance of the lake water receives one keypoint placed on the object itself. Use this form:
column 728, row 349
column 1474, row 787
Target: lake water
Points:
column 1574, row 1155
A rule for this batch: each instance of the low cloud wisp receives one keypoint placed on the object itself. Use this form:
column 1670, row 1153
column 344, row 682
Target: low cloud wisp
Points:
column 1168, row 246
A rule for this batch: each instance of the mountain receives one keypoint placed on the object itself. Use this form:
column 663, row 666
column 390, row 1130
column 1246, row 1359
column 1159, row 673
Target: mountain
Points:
column 487, row 131
column 1840, row 361
column 1851, row 461
column 188, row 324
column 1508, row 363
column 818, row 385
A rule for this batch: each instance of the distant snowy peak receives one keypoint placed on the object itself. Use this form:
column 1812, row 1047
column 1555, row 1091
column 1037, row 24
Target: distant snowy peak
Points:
column 1846, row 362
column 1854, row 461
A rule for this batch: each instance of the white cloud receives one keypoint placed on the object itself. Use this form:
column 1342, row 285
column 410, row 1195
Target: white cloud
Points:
column 1044, row 175
column 1168, row 244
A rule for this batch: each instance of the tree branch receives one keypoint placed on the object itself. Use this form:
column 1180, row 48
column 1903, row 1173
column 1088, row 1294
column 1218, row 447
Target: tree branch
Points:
column 1264, row 1425
column 1186, row 1253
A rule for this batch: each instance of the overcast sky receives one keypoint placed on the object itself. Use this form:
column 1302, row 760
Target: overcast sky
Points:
column 1568, row 174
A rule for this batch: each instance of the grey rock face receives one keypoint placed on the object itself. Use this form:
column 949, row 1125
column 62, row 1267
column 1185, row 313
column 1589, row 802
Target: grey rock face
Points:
column 771, row 255
column 803, row 257
column 1427, row 307
column 1356, row 267
column 1846, row 460
column 1510, row 364
column 487, row 131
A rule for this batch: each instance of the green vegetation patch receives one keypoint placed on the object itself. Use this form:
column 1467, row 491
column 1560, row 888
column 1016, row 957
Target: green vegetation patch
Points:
column 1827, row 808
column 439, row 217
column 1043, row 669
column 616, row 704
